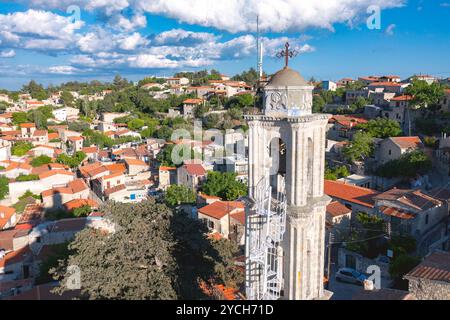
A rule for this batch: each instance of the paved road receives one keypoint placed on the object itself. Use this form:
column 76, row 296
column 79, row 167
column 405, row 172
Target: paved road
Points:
column 343, row 291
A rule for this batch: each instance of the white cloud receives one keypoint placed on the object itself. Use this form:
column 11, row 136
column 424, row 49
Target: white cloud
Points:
column 7, row 53
column 95, row 41
column 136, row 22
column 390, row 29
column 39, row 23
column 132, row 42
column 236, row 15
column 276, row 16
column 183, row 37
column 63, row 70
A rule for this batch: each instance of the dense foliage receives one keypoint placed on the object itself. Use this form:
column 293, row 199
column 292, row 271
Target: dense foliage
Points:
column 20, row 148
column 409, row 165
column 179, row 194
column 40, row 160
column 154, row 253
column 359, row 148
column 71, row 161
column 4, row 187
column 336, row 173
column 224, row 185
column 382, row 128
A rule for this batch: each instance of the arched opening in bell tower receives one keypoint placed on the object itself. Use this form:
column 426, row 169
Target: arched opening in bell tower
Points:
column 310, row 167
column 277, row 153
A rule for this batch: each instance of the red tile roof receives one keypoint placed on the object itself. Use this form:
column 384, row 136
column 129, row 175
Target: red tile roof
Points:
column 78, row 203
column 5, row 215
column 27, row 125
column 115, row 189
column 336, row 209
column 239, row 217
column 195, row 169
column 385, row 84
column 90, row 149
column 394, row 212
column 350, row 193
column 219, row 209
column 402, row 98
column 15, row 256
column 193, row 101
column 75, row 138
column 407, row 142
column 415, row 199
column 165, row 168
column 135, row 162
column 53, row 173
column 347, row 121
column 112, row 175
column 434, row 267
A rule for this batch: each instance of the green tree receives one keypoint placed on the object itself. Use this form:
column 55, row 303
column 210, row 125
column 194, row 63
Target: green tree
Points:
column 224, row 185
column 135, row 124
column 153, row 254
column 408, row 165
column 212, row 120
column 382, row 128
column 4, row 187
column 19, row 117
column 318, row 103
column 71, row 161
column 36, row 90
column 179, row 194
column 83, row 211
column 336, row 173
column 68, row 98
column 20, row 148
column 27, row 177
column 57, row 252
column 40, row 160
column 400, row 266
column 366, row 235
column 359, row 148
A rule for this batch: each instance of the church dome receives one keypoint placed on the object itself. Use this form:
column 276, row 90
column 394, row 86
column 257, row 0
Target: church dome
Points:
column 287, row 77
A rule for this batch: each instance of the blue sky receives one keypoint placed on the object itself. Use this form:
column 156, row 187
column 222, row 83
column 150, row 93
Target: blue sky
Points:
column 40, row 40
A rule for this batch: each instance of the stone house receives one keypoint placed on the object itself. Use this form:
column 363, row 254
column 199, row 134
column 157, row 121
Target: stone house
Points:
column 191, row 175
column 166, row 177
column 224, row 217
column 413, row 213
column 393, row 148
column 430, row 280
column 189, row 106
column 342, row 127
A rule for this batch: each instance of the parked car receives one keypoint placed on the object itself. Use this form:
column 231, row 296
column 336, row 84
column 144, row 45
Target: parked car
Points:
column 351, row 276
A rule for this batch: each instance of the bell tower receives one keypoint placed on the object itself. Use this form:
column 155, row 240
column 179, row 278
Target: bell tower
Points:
column 286, row 165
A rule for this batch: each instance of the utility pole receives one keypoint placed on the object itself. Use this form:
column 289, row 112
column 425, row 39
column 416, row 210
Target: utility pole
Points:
column 330, row 242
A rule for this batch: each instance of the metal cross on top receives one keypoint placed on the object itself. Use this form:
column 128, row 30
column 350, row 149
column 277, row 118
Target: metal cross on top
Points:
column 286, row 53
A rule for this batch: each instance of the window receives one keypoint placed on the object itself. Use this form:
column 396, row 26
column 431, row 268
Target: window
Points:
column 210, row 224
column 426, row 219
column 390, row 151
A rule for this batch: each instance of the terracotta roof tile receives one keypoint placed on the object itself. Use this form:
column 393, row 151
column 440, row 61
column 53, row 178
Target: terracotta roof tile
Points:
column 336, row 209
column 219, row 209
column 434, row 267
column 78, row 203
column 115, row 189
column 350, row 193
column 407, row 142
column 195, row 169
column 5, row 215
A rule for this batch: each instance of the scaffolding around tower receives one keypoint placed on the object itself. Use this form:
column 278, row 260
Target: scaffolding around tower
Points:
column 265, row 227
